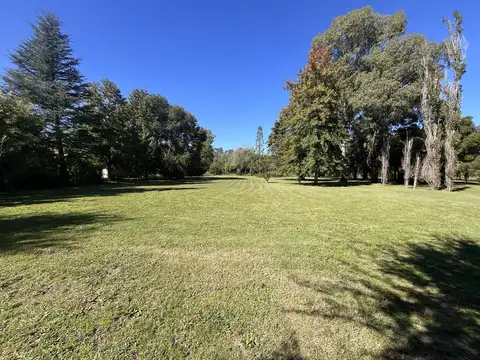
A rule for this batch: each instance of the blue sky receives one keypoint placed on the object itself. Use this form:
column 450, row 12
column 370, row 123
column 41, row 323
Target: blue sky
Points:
column 224, row 61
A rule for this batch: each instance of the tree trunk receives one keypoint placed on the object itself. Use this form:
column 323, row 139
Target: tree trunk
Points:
column 456, row 49
column 145, row 175
column 432, row 166
column 406, row 162
column 365, row 172
column 109, row 167
column 315, row 179
column 399, row 176
column 416, row 175
column 63, row 171
column 385, row 154
column 3, row 179
column 450, row 158
column 374, row 175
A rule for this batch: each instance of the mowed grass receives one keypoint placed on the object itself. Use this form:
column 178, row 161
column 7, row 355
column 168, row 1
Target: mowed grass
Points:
column 234, row 268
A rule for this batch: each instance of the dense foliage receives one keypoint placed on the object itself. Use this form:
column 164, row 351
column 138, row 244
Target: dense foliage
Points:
column 364, row 94
column 310, row 132
column 56, row 129
column 469, row 154
column 244, row 161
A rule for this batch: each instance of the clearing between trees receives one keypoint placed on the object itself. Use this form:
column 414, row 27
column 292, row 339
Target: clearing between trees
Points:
column 233, row 267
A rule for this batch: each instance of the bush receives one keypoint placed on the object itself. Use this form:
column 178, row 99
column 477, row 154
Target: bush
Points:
column 217, row 167
column 265, row 175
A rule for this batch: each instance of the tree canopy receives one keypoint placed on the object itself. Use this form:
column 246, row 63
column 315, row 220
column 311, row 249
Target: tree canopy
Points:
column 360, row 99
column 57, row 129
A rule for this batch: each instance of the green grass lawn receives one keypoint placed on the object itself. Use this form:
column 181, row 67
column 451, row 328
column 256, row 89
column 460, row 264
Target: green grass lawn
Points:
column 234, row 268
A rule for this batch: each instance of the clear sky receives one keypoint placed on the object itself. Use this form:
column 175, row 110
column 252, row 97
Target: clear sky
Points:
column 226, row 61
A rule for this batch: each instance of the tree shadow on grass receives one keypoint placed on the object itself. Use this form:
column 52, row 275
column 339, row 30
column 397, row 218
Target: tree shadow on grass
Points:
column 66, row 194
column 428, row 299
column 129, row 186
column 289, row 349
column 188, row 180
column 330, row 182
column 461, row 188
column 47, row 232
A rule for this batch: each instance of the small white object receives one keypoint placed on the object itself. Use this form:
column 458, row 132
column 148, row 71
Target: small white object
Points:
column 105, row 174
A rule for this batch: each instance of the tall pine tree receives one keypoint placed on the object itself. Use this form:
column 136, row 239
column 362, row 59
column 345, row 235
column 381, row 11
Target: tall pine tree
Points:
column 259, row 143
column 46, row 73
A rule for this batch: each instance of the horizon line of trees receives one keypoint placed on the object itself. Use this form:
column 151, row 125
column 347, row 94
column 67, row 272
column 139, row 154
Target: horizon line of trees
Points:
column 374, row 102
column 244, row 160
column 58, row 130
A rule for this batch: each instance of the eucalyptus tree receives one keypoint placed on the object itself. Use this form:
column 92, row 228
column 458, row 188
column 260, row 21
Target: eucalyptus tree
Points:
column 378, row 72
column 456, row 61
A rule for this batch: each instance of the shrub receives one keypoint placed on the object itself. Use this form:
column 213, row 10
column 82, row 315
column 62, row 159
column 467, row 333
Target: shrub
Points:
column 266, row 176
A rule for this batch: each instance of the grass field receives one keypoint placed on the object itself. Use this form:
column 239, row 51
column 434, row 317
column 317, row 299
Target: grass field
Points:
column 234, row 268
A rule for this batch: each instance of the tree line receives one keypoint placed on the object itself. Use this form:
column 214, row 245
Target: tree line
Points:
column 374, row 102
column 56, row 129
column 244, row 160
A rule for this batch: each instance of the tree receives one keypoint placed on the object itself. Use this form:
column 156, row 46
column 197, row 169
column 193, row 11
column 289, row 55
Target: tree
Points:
column 108, row 124
column 166, row 139
column 57, row 130
column 218, row 152
column 20, row 130
column 377, row 76
column 201, row 152
column 243, row 160
column 417, row 171
column 311, row 132
column 266, row 167
column 284, row 145
column 469, row 149
column 431, row 168
column 46, row 74
column 466, row 127
column 456, row 60
column 150, row 115
column 259, row 143
column 407, row 161
column 387, row 95
column 385, row 160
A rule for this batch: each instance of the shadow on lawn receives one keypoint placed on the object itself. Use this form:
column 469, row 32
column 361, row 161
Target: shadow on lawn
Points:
column 330, row 182
column 289, row 349
column 47, row 232
column 428, row 299
column 113, row 189
column 65, row 194
column 188, row 180
column 461, row 188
